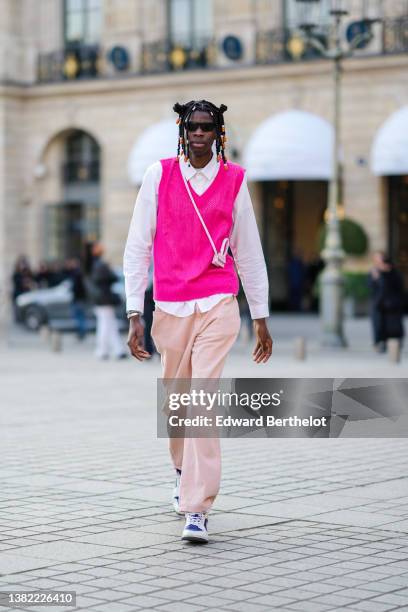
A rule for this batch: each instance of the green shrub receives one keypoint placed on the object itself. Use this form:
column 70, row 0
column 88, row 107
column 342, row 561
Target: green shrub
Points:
column 355, row 285
column 353, row 237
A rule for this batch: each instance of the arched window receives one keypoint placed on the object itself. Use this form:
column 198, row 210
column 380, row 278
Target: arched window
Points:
column 73, row 220
column 81, row 158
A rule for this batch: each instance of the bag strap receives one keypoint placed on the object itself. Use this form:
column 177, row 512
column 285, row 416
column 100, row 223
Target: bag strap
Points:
column 200, row 217
column 225, row 242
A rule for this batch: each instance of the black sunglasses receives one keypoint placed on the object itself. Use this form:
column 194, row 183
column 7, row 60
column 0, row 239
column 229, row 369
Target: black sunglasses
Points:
column 192, row 126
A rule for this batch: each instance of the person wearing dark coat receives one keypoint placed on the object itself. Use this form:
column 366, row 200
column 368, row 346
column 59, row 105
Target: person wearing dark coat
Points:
column 296, row 279
column 22, row 281
column 43, row 276
column 23, row 278
column 74, row 273
column 108, row 340
column 387, row 304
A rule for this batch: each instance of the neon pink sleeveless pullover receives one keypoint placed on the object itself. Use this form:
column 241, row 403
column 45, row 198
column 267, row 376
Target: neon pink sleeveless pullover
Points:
column 183, row 268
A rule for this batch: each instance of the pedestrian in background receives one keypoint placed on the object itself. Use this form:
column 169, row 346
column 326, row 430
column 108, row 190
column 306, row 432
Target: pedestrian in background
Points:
column 387, row 305
column 42, row 276
column 78, row 304
column 296, row 279
column 108, row 340
column 56, row 273
column 22, row 280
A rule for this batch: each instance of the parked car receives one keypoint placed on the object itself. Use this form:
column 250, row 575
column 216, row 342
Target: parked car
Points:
column 42, row 306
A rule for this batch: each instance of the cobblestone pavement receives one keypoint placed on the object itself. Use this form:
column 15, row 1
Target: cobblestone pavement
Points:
column 85, row 486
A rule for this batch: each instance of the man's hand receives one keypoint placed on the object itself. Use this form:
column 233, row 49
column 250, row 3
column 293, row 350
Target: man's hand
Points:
column 135, row 339
column 263, row 347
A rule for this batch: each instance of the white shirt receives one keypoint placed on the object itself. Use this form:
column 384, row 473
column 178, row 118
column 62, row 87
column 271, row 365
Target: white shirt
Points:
column 245, row 245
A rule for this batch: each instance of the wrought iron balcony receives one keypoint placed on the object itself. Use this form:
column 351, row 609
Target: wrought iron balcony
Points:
column 165, row 56
column 278, row 45
column 74, row 62
column 286, row 45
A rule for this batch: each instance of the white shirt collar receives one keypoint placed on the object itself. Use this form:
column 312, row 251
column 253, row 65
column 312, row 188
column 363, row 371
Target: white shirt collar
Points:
column 209, row 170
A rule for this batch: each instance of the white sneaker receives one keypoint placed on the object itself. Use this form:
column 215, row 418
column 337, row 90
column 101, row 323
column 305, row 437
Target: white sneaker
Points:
column 176, row 494
column 195, row 529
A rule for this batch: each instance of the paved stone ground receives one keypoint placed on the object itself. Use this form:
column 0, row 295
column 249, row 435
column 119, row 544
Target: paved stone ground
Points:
column 85, row 486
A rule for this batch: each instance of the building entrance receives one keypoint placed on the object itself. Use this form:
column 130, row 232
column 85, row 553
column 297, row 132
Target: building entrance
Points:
column 398, row 224
column 292, row 214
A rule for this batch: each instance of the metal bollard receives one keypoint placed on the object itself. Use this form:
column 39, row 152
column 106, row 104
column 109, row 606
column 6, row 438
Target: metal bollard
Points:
column 56, row 341
column 45, row 333
column 394, row 350
column 300, row 348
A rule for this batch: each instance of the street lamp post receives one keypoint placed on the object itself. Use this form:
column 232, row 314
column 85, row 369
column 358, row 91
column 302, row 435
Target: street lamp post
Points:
column 331, row 306
column 331, row 300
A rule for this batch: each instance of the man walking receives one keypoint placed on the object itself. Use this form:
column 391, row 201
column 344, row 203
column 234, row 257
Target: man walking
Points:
column 108, row 340
column 189, row 209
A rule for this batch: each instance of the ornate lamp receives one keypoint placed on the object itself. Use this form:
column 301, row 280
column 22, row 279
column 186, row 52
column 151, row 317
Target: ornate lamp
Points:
column 309, row 17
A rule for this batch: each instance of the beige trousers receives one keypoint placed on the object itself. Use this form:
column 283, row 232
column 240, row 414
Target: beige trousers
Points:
column 196, row 347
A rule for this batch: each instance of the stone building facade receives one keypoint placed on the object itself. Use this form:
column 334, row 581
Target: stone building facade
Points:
column 86, row 92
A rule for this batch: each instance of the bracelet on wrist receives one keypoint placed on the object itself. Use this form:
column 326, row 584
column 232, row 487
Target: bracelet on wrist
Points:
column 133, row 313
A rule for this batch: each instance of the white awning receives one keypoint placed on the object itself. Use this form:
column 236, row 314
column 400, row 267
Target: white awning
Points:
column 293, row 145
column 389, row 153
column 158, row 141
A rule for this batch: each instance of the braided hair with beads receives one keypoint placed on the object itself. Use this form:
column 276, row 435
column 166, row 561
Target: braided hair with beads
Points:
column 217, row 113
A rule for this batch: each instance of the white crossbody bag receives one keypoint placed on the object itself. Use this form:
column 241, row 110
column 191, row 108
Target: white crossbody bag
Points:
column 220, row 257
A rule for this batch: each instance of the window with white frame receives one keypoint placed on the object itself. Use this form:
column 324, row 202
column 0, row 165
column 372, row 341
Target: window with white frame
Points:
column 190, row 22
column 312, row 11
column 82, row 22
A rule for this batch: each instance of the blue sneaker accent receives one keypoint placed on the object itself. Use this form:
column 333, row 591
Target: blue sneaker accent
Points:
column 195, row 529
